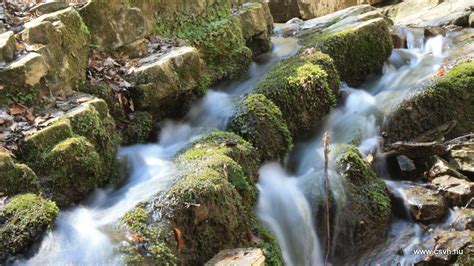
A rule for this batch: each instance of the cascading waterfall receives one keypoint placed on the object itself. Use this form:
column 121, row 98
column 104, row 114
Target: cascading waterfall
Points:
column 359, row 118
column 86, row 234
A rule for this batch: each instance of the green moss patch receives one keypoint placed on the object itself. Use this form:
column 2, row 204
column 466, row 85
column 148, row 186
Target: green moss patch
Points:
column 301, row 90
column 72, row 169
column 367, row 210
column 217, row 35
column 99, row 128
column 450, row 98
column 210, row 207
column 260, row 121
column 15, row 178
column 357, row 51
column 33, row 146
column 23, row 221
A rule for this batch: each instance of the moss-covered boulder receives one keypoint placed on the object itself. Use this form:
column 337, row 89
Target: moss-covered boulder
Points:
column 15, row 178
column 212, row 29
column 35, row 145
column 113, row 24
column 208, row 209
column 72, row 170
column 259, row 121
column 23, row 220
column 165, row 85
column 93, row 121
column 301, row 87
column 75, row 154
column 358, row 48
column 139, row 129
column 450, row 98
column 364, row 215
column 257, row 25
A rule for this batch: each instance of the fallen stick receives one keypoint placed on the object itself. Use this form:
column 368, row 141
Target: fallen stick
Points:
column 327, row 188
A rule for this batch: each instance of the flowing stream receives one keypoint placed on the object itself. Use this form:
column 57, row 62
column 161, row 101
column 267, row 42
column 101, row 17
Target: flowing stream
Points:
column 86, row 235
column 284, row 195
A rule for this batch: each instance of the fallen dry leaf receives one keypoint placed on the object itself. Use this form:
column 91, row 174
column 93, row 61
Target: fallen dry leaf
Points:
column 17, row 109
column 179, row 239
column 135, row 237
column 441, row 72
column 29, row 116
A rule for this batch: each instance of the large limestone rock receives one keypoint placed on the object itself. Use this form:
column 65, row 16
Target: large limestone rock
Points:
column 259, row 121
column 450, row 98
column 257, row 26
column 426, row 205
column 24, row 219
column 304, row 87
column 7, row 46
column 357, row 39
column 426, row 12
column 22, row 77
column 208, row 208
column 365, row 212
column 57, row 64
column 165, row 85
column 283, row 10
column 113, row 24
column 441, row 167
column 456, row 191
column 75, row 154
column 460, row 241
column 238, row 257
column 462, row 158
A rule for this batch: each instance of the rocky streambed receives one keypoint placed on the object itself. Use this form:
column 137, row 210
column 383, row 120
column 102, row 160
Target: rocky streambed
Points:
column 231, row 122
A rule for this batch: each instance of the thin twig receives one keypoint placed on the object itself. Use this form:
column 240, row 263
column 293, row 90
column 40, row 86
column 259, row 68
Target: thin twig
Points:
column 327, row 186
column 459, row 215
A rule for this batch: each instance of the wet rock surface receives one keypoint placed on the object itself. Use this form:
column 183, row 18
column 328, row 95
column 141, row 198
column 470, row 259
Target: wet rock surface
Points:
column 412, row 117
column 425, row 205
column 457, row 192
column 283, row 10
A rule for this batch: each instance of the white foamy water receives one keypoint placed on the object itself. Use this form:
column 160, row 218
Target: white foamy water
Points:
column 358, row 119
column 87, row 235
